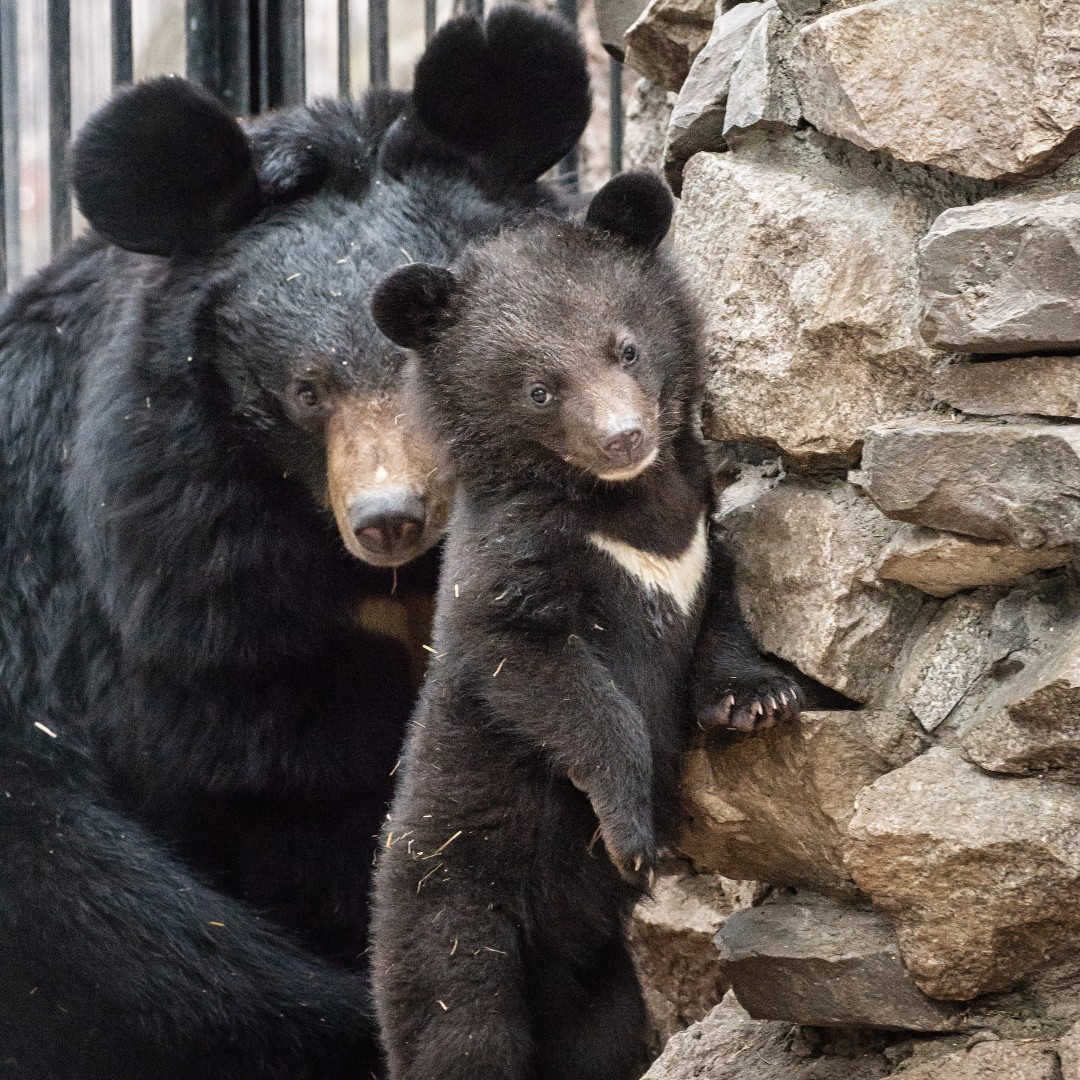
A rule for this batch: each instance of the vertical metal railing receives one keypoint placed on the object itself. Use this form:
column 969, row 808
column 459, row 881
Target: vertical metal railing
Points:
column 249, row 53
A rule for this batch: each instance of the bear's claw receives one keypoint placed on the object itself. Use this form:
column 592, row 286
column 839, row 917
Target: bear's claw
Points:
column 753, row 705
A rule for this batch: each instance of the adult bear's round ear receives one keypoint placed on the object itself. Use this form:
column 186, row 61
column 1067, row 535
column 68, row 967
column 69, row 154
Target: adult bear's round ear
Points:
column 635, row 206
column 513, row 92
column 409, row 306
column 164, row 168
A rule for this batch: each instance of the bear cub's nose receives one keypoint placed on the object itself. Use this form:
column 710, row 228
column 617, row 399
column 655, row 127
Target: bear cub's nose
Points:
column 387, row 522
column 624, row 445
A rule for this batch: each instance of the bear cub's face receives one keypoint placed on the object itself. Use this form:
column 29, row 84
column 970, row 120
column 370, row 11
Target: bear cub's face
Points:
column 555, row 345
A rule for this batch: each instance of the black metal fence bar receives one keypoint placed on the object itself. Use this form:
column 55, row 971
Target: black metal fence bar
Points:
column 344, row 49
column 616, row 104
column 122, row 63
column 430, row 18
column 568, row 167
column 218, row 49
column 9, row 157
column 282, row 52
column 59, row 29
column 473, row 7
column 379, row 42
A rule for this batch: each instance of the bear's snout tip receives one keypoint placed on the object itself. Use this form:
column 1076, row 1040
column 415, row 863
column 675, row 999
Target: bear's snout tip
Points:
column 389, row 523
column 624, row 446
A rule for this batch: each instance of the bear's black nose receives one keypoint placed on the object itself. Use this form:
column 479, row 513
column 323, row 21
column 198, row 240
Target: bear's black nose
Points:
column 388, row 521
column 625, row 444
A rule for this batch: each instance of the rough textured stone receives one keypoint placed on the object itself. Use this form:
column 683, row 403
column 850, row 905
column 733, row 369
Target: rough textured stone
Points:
column 1019, row 483
column 761, row 92
column 648, row 109
column 729, row 1045
column 671, row 941
column 803, row 254
column 948, row 657
column 662, row 43
column 776, row 807
column 1032, row 723
column 697, row 121
column 813, row 961
column 1003, row 276
column 980, row 874
column 991, row 1060
column 941, row 563
column 986, row 88
column 805, row 559
column 797, row 9
column 613, row 19
column 1036, row 385
column 1069, row 1053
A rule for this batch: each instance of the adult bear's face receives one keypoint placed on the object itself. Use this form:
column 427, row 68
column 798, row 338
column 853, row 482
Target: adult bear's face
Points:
column 314, row 382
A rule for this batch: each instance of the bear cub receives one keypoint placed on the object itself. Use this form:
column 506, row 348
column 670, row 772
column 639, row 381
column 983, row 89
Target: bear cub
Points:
column 560, row 366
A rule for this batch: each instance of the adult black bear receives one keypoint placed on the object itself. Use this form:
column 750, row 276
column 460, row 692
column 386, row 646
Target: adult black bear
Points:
column 196, row 749
column 560, row 363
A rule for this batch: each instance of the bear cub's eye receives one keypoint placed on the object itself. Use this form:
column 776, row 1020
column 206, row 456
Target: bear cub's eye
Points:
column 629, row 354
column 540, row 395
column 307, row 393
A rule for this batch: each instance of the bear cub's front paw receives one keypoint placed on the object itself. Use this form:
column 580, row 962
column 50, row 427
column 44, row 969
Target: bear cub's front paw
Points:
column 752, row 704
column 631, row 846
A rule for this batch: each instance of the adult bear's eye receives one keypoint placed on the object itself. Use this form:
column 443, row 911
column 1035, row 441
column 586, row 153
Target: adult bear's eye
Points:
column 629, row 354
column 540, row 395
column 307, row 393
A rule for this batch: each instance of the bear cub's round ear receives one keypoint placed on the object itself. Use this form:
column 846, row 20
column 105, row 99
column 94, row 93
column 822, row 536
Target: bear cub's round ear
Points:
column 164, row 168
column 635, row 206
column 410, row 304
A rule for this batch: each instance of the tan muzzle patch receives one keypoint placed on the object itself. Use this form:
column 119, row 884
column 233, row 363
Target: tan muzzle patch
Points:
column 389, row 493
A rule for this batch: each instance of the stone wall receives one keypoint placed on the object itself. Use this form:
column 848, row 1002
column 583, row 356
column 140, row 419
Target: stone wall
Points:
column 880, row 210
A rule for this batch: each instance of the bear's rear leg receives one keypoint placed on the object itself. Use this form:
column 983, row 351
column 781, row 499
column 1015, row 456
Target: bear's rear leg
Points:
column 593, row 1028
column 449, row 982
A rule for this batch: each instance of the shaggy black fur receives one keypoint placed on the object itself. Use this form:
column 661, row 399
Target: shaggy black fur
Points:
column 184, row 867
column 560, row 364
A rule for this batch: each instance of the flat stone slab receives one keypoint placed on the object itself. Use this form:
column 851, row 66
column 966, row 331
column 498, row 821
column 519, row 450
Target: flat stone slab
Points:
column 1003, row 276
column 986, row 88
column 1017, row 483
column 942, row 563
column 810, row 960
column 1034, row 385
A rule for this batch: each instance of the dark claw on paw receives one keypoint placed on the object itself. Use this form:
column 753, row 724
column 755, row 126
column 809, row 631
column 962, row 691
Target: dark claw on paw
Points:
column 754, row 705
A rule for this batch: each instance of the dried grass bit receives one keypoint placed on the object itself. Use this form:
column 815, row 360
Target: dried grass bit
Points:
column 443, row 1004
column 454, row 949
column 42, row 727
column 499, row 668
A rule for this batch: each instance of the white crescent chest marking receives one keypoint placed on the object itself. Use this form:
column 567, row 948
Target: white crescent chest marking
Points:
column 680, row 578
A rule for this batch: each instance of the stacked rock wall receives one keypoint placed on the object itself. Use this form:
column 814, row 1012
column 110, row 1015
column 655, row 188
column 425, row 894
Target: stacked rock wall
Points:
column 880, row 211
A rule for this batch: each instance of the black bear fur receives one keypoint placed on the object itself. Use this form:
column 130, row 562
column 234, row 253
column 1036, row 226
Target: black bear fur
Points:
column 196, row 739
column 560, row 364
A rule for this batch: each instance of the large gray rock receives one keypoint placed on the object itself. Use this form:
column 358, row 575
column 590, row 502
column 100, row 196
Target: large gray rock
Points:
column 979, row 874
column 941, row 563
column 665, row 38
column 761, row 93
column 1035, row 385
column 1032, row 723
column 648, row 109
column 986, row 88
column 671, row 941
column 776, row 807
column 992, row 1060
column 1018, row 483
column 729, row 1045
column 805, row 558
column 697, row 121
column 803, row 254
column 1003, row 276
column 810, row 960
